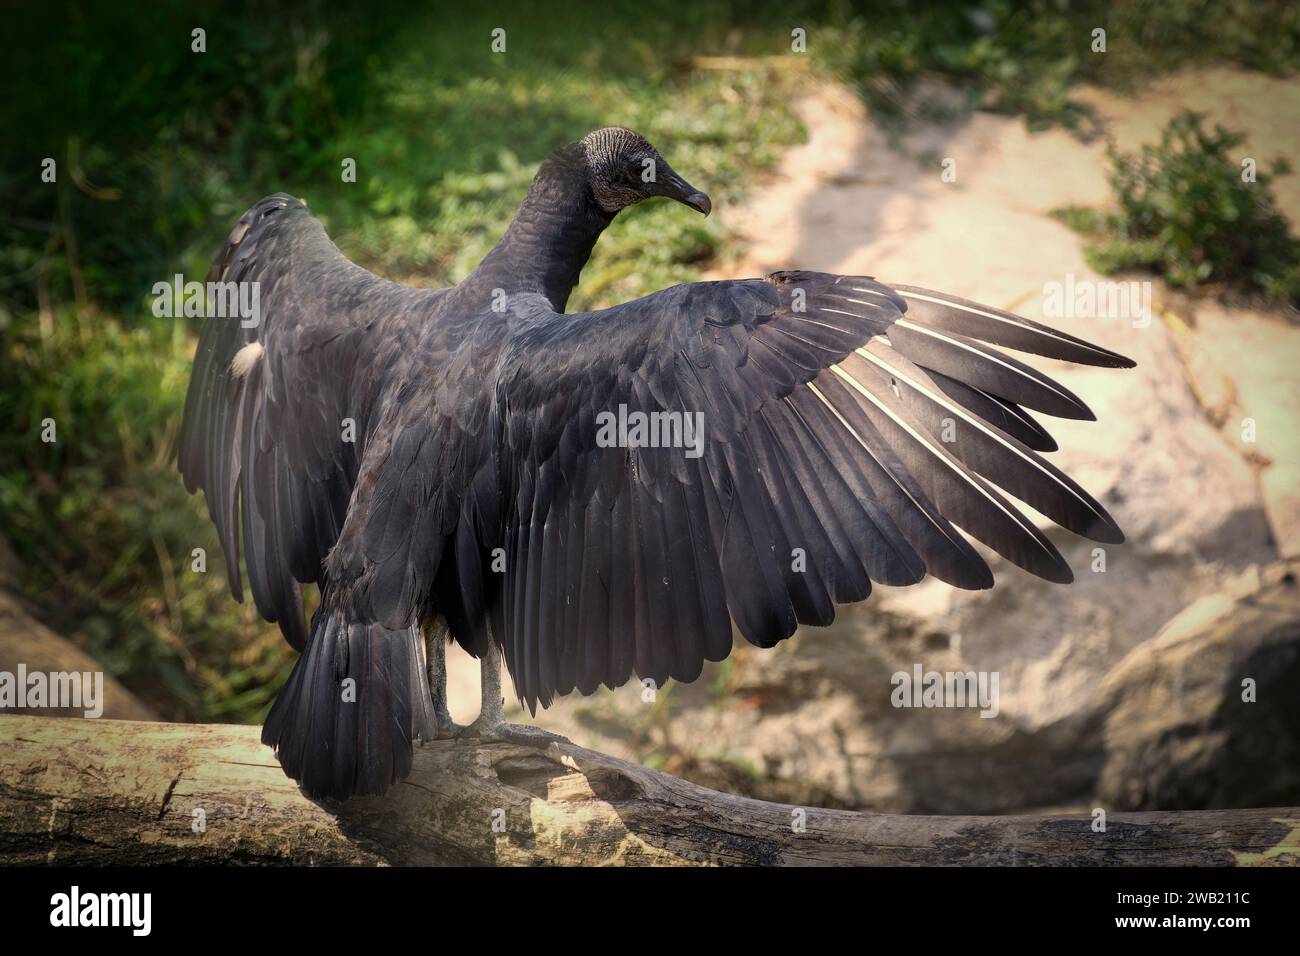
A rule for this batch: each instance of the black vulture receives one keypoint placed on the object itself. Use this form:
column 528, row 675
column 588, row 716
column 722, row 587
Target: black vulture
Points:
column 598, row 494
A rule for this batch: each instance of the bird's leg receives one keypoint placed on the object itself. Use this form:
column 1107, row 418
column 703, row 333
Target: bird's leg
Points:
column 491, row 721
column 492, row 704
column 435, row 655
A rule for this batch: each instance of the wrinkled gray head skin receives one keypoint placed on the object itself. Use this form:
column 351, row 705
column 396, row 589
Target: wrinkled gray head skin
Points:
column 626, row 169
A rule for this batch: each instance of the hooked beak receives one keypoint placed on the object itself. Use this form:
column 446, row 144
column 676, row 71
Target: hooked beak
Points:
column 674, row 187
column 698, row 201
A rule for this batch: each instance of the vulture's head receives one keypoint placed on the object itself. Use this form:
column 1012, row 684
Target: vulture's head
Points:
column 626, row 169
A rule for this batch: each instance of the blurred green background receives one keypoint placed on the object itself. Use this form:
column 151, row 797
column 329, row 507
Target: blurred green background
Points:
column 160, row 149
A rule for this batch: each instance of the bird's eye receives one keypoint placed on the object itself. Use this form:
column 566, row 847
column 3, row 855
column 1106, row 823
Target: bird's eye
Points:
column 641, row 171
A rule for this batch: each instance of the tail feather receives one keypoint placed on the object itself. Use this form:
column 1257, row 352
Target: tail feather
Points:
column 344, row 723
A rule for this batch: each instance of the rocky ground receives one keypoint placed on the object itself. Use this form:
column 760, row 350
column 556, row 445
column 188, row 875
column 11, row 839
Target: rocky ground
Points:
column 1124, row 688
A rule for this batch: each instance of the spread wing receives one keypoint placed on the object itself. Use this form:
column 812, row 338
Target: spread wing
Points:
column 846, row 431
column 265, row 432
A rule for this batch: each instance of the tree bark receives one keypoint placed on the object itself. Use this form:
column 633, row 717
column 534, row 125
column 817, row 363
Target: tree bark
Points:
column 103, row 791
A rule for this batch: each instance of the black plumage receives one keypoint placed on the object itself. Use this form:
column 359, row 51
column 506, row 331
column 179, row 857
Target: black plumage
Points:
column 844, row 420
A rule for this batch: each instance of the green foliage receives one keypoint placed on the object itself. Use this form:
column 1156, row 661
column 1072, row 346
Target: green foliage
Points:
column 1013, row 57
column 103, row 521
column 1026, row 56
column 1186, row 211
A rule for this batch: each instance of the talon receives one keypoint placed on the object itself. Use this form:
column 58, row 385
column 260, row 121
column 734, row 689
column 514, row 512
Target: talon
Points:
column 480, row 729
column 531, row 736
column 510, row 733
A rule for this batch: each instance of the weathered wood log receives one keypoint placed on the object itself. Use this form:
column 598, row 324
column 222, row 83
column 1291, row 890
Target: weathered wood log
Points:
column 103, row 791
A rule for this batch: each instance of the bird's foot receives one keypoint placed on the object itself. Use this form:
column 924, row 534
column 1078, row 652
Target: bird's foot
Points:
column 498, row 731
column 448, row 730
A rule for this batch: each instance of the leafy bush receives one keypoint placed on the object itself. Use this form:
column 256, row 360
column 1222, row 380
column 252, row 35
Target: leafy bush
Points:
column 1185, row 211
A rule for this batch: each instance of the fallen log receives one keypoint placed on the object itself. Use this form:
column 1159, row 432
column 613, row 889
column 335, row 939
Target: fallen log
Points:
column 124, row 792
